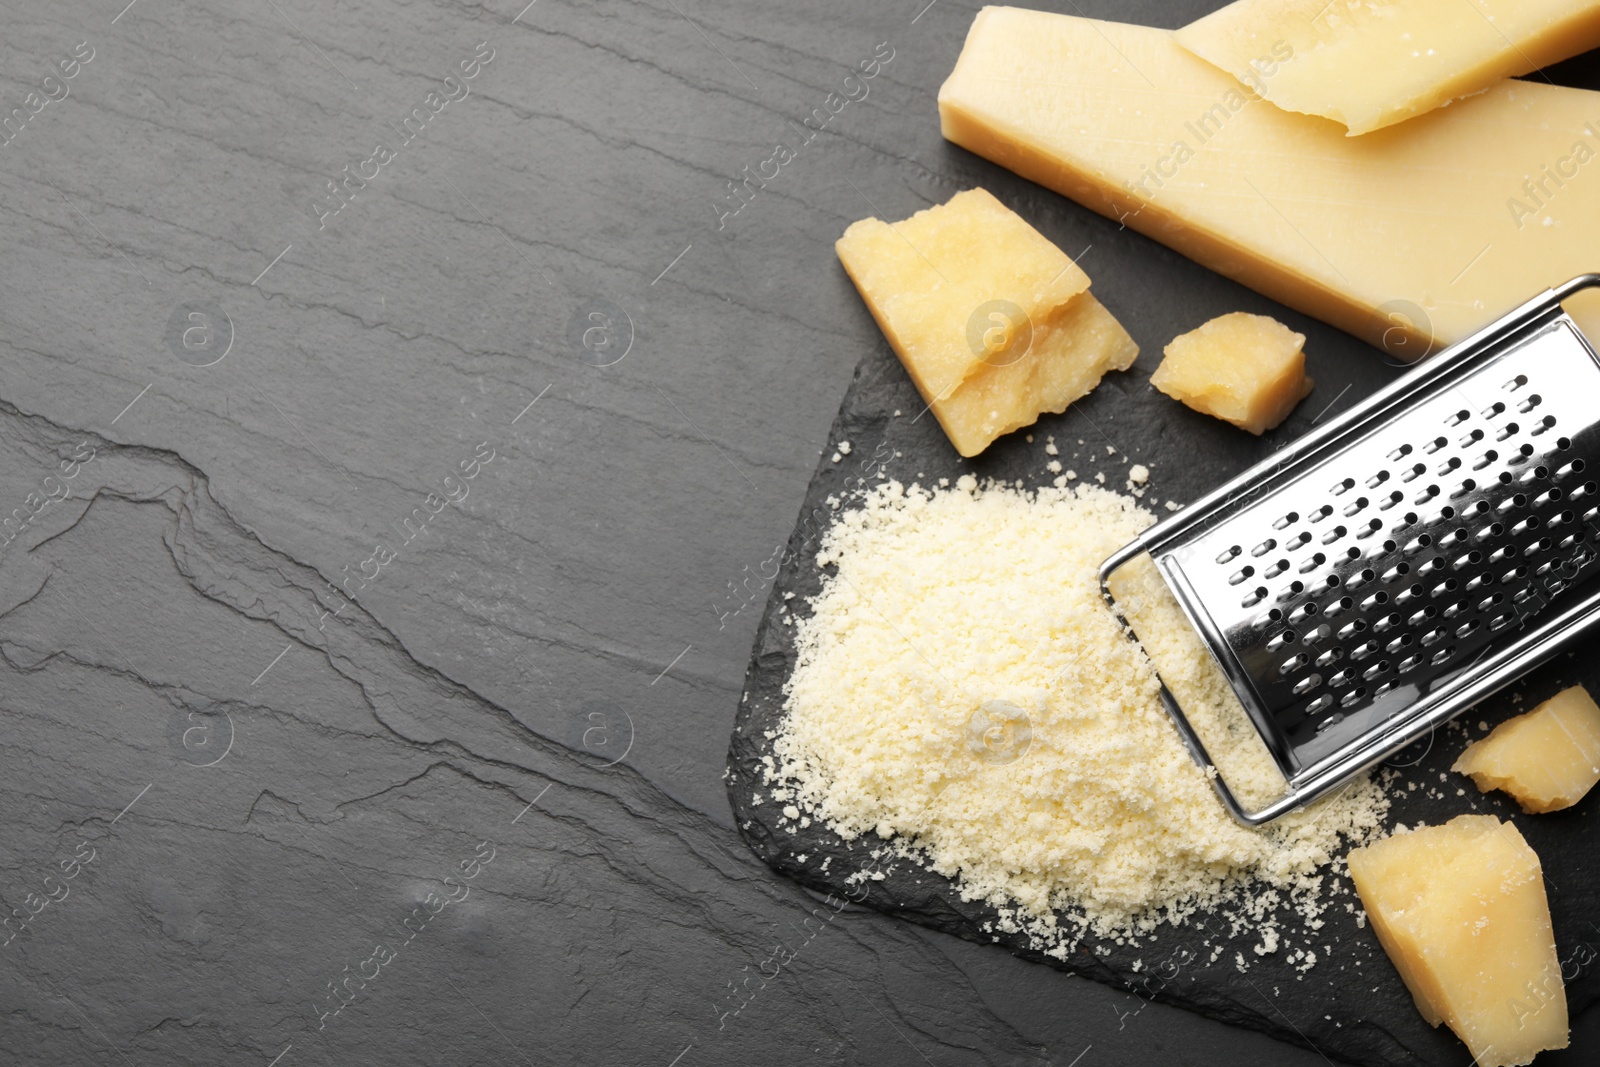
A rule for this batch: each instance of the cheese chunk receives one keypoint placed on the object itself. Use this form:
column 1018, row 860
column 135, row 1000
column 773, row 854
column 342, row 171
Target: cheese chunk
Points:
column 1246, row 369
column 1461, row 911
column 993, row 322
column 1407, row 237
column 1371, row 63
column 1065, row 361
column 1547, row 758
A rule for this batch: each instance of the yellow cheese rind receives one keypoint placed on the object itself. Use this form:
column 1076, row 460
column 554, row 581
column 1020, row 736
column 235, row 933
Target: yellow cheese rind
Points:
column 994, row 323
column 1246, row 369
column 1410, row 237
column 1371, row 63
column 1461, row 911
column 1547, row 758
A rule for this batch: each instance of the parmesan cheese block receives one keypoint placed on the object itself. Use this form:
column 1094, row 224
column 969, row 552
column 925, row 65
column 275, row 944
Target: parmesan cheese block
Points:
column 993, row 322
column 1461, row 911
column 1548, row 758
column 1246, row 369
column 1370, row 63
column 1407, row 237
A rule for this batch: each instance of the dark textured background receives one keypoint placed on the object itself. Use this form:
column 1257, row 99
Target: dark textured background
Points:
column 548, row 675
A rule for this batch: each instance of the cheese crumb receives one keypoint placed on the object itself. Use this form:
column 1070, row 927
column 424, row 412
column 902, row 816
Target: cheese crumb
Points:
column 844, row 448
column 1139, row 474
column 1054, row 466
column 1031, row 758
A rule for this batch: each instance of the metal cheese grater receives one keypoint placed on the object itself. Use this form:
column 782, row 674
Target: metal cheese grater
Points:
column 1387, row 571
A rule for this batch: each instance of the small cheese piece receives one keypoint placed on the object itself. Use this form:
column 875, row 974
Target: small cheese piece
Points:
column 1547, row 758
column 1371, row 63
column 993, row 322
column 1246, row 369
column 1410, row 237
column 1461, row 911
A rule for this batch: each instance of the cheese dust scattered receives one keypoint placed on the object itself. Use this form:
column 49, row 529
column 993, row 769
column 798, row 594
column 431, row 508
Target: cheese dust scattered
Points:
column 963, row 694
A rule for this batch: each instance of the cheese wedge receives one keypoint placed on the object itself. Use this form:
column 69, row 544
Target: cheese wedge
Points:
column 1370, row 63
column 1407, row 237
column 1462, row 913
column 1548, row 758
column 1246, row 369
column 993, row 322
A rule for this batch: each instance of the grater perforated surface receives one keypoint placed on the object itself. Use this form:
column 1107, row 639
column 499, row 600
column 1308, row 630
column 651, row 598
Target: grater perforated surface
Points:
column 1355, row 588
column 1394, row 567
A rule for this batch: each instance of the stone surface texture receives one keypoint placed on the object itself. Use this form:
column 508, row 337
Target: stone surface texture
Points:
column 393, row 411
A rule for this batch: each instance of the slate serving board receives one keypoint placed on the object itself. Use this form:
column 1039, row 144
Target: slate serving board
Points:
column 1352, row 1005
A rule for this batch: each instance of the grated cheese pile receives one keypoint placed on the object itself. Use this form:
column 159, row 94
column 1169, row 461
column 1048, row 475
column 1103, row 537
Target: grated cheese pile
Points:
column 963, row 692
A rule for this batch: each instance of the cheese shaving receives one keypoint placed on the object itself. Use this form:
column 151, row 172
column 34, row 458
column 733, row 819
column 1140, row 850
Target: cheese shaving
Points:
column 963, row 693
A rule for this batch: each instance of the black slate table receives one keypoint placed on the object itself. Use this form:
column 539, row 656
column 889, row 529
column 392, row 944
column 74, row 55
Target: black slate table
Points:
column 395, row 399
